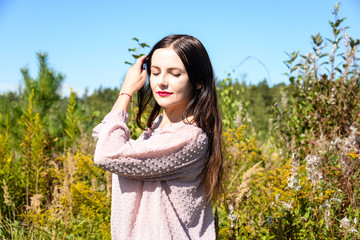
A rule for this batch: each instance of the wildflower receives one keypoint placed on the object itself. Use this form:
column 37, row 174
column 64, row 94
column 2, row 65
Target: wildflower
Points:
column 277, row 197
column 345, row 223
column 353, row 155
column 293, row 183
column 333, row 50
column 327, row 215
column 326, row 204
column 335, row 199
column 7, row 200
column 35, row 202
column 232, row 217
column 335, row 143
column 346, row 39
column 287, row 206
column 353, row 227
column 312, row 168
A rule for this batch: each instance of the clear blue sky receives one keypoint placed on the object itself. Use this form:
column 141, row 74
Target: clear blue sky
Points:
column 88, row 41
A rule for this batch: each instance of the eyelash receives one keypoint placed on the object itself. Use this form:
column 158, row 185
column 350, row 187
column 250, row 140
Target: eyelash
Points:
column 175, row 75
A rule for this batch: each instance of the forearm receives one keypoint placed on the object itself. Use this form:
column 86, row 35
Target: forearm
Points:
column 134, row 80
column 122, row 103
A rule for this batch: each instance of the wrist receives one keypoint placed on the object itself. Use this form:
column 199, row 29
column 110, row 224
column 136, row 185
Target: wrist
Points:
column 127, row 95
column 127, row 91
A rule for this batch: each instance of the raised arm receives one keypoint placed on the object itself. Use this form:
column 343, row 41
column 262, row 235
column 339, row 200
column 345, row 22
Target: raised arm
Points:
column 173, row 152
column 134, row 80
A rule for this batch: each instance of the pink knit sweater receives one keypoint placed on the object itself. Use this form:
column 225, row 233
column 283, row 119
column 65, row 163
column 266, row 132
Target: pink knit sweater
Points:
column 157, row 191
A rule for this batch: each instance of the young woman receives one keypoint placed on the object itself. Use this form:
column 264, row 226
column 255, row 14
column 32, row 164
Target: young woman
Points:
column 164, row 181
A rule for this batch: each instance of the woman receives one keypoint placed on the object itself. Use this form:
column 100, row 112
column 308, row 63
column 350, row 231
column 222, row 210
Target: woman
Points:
column 164, row 181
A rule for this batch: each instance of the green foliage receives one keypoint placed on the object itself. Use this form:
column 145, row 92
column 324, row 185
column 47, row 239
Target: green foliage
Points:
column 46, row 86
column 136, row 51
column 248, row 104
column 228, row 102
column 314, row 193
column 47, row 189
column 300, row 182
column 71, row 120
column 324, row 96
column 33, row 148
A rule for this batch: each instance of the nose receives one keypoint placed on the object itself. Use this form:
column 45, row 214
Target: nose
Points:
column 162, row 80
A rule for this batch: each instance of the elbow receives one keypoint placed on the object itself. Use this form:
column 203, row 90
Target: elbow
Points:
column 100, row 154
column 102, row 162
column 99, row 158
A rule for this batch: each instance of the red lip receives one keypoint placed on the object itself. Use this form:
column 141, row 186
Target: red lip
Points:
column 163, row 93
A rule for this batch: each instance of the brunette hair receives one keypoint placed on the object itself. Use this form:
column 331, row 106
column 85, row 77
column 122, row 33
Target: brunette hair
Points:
column 203, row 105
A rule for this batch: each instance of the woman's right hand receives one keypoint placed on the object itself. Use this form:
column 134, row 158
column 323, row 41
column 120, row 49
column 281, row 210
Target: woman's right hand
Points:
column 135, row 77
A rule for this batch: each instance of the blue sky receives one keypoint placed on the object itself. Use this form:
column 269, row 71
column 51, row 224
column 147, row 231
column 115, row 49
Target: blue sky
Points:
column 88, row 41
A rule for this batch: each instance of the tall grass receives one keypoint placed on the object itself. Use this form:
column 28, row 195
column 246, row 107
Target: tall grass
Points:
column 299, row 182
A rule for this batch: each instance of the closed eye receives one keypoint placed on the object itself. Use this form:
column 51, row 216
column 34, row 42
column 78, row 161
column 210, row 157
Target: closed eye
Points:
column 176, row 74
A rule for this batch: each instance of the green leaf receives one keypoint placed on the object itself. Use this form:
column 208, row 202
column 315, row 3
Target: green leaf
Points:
column 287, row 65
column 337, row 23
column 292, row 80
column 135, row 39
column 328, row 39
column 294, row 55
column 143, row 45
column 323, row 63
column 83, row 118
column 338, row 69
column 293, row 69
column 323, row 55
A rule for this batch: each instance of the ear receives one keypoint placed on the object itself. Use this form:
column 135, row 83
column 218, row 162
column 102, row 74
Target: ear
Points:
column 198, row 86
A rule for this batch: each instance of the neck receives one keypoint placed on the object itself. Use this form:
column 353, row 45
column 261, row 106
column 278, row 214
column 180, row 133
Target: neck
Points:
column 171, row 116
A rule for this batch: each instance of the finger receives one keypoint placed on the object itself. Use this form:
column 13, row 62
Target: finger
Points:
column 140, row 61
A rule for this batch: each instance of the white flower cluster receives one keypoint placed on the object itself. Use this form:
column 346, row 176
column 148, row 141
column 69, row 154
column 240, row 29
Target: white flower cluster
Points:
column 327, row 211
column 333, row 50
column 345, row 223
column 232, row 217
column 287, row 206
column 346, row 145
column 293, row 181
column 349, row 51
column 312, row 168
column 346, row 43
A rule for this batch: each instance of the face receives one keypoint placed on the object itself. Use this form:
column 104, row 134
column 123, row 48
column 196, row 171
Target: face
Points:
column 169, row 80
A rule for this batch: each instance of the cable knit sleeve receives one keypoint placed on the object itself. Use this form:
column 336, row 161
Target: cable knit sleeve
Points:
column 169, row 153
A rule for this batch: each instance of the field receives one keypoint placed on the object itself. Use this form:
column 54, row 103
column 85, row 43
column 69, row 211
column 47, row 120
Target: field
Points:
column 292, row 152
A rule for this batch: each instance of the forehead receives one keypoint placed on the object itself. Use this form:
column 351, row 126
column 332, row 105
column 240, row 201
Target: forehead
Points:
column 166, row 58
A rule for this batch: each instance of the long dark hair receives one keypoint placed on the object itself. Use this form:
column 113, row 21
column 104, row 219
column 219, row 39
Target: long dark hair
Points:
column 203, row 105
